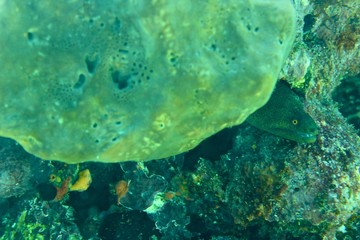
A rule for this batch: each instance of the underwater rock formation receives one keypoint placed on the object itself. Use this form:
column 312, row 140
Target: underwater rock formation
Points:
column 347, row 94
column 118, row 80
column 15, row 169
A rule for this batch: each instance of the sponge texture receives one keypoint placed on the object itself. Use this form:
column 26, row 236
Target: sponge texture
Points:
column 115, row 80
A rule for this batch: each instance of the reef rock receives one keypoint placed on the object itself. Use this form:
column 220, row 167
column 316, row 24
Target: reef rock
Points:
column 119, row 80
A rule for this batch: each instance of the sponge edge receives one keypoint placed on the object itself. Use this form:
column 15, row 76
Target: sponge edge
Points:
column 113, row 81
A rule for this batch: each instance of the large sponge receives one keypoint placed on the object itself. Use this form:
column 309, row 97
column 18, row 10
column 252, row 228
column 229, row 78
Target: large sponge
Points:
column 116, row 80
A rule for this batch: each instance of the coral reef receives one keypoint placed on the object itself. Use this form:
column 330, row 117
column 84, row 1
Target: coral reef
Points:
column 40, row 220
column 141, row 188
column 300, row 189
column 242, row 183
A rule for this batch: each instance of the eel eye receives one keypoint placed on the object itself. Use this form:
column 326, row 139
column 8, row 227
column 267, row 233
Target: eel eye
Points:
column 295, row 121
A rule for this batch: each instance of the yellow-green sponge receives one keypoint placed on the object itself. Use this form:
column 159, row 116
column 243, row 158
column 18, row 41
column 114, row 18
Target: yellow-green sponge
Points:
column 117, row 80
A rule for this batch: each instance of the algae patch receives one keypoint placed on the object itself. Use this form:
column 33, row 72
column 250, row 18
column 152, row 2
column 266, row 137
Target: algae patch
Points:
column 114, row 81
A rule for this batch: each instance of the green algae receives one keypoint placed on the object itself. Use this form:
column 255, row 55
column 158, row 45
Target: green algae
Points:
column 24, row 230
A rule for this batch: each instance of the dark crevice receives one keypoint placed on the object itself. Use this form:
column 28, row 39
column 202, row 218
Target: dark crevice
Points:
column 91, row 63
column 80, row 81
column 122, row 81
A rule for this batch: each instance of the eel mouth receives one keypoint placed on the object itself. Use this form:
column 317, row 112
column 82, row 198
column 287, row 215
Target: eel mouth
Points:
column 307, row 137
column 301, row 137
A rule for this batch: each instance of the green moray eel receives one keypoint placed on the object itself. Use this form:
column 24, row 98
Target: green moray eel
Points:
column 284, row 115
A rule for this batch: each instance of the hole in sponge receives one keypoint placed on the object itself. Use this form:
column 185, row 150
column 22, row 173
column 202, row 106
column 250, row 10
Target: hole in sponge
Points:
column 120, row 80
column 80, row 81
column 30, row 36
column 91, row 63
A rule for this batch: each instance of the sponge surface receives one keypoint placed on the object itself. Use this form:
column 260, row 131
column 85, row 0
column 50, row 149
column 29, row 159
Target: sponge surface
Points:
column 116, row 80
